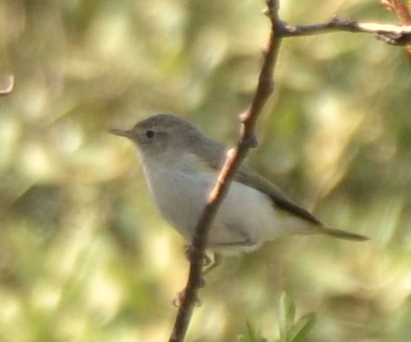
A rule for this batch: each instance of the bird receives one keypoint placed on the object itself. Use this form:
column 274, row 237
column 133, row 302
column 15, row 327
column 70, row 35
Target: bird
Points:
column 181, row 166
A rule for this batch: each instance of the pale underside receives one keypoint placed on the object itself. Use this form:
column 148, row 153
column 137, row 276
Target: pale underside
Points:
column 246, row 218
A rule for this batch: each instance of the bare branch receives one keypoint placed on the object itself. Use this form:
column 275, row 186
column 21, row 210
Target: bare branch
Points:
column 233, row 161
column 401, row 9
column 391, row 34
column 404, row 15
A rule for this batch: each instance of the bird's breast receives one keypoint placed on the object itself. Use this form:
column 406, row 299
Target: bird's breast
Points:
column 180, row 195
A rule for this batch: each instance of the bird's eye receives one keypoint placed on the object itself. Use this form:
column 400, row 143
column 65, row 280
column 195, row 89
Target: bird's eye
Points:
column 150, row 134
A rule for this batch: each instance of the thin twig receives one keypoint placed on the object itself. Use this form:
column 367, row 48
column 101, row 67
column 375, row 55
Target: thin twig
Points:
column 391, row 34
column 401, row 9
column 404, row 15
column 233, row 161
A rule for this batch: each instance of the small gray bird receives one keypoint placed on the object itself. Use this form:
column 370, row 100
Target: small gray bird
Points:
column 181, row 167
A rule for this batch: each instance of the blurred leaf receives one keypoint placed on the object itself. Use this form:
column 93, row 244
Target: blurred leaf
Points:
column 299, row 332
column 251, row 335
column 7, row 86
column 85, row 255
column 290, row 329
column 287, row 316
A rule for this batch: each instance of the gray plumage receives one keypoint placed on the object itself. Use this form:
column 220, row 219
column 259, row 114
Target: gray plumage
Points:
column 175, row 154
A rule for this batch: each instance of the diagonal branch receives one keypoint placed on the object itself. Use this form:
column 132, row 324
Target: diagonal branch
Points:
column 233, row 161
column 391, row 34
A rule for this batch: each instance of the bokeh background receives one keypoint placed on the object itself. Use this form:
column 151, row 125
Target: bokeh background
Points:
column 84, row 255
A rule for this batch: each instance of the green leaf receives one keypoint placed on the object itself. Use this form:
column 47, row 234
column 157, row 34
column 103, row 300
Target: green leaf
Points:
column 301, row 329
column 287, row 316
column 251, row 335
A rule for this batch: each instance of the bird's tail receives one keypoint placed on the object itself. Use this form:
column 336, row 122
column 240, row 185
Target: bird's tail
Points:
column 341, row 234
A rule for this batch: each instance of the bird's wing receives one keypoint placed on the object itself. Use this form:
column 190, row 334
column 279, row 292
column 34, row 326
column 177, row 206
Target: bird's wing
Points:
column 248, row 177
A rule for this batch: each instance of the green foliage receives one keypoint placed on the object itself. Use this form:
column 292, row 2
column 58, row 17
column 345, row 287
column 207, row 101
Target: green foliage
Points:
column 84, row 255
column 251, row 335
column 291, row 329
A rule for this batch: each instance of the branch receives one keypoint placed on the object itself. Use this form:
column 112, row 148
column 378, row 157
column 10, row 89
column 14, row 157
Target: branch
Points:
column 391, row 34
column 401, row 9
column 233, row 161
column 404, row 15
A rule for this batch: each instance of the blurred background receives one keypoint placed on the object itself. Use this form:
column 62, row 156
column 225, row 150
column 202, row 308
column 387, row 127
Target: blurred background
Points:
column 85, row 256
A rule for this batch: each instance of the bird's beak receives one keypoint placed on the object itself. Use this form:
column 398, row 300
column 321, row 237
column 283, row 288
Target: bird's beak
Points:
column 122, row 132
